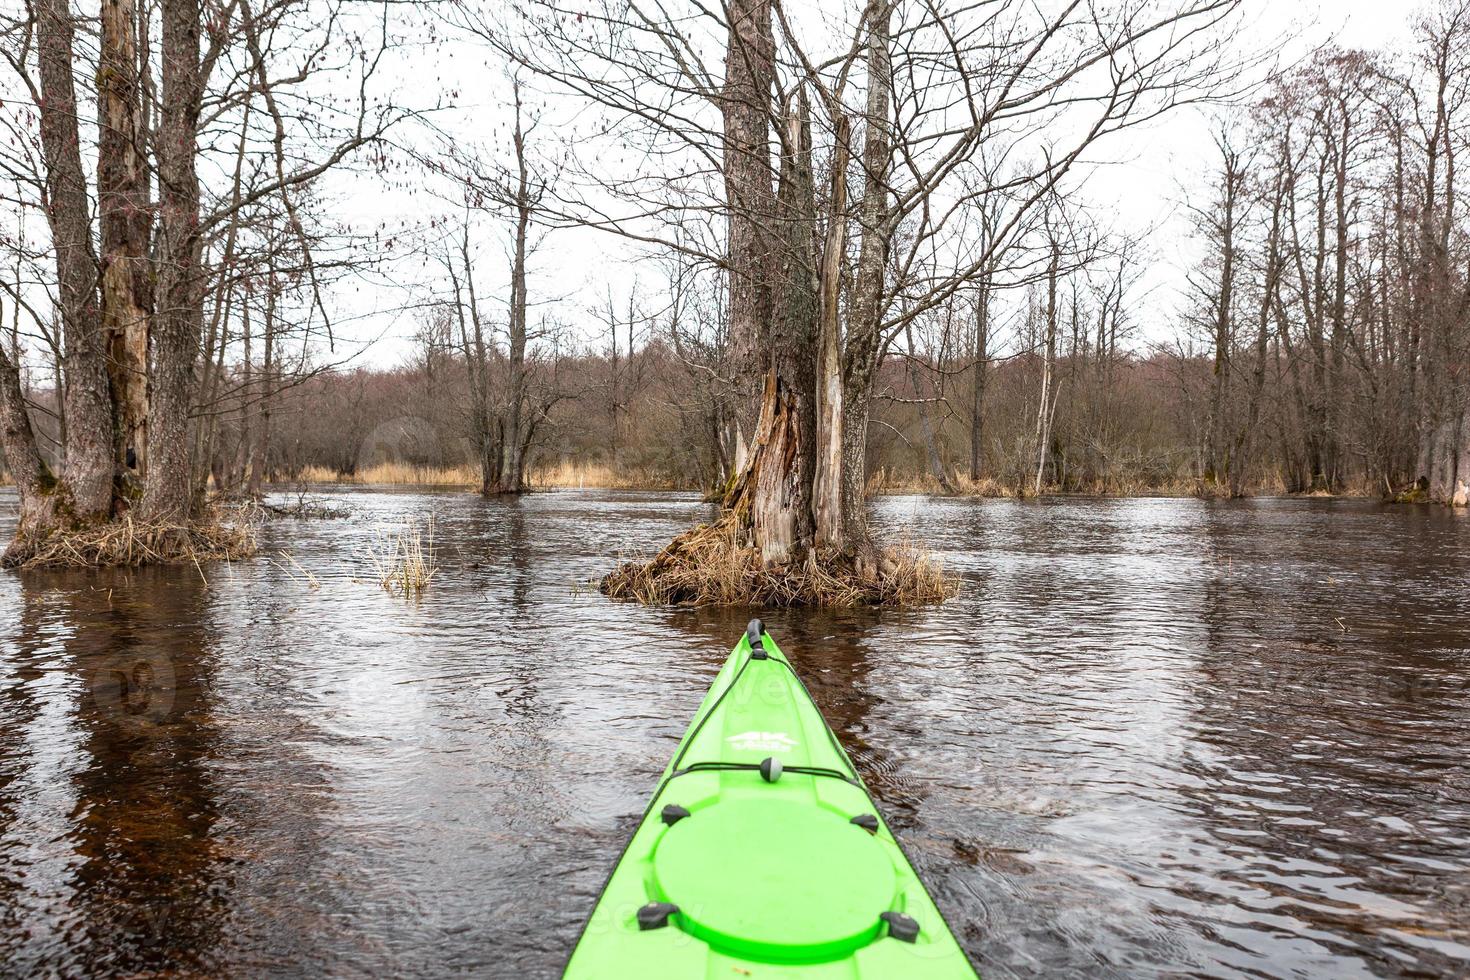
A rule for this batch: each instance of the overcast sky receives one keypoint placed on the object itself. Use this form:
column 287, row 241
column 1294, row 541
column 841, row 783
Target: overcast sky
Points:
column 1144, row 190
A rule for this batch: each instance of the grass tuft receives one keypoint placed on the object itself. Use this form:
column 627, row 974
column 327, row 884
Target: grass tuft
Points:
column 708, row 566
column 403, row 561
column 223, row 534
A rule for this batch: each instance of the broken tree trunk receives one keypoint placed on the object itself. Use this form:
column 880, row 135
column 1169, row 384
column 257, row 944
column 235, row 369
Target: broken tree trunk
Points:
column 122, row 205
column 765, row 502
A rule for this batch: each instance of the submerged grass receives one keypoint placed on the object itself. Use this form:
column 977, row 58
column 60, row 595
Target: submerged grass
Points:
column 403, row 561
column 708, row 566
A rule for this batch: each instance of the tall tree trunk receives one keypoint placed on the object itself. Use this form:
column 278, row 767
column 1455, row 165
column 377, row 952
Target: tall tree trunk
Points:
column 512, row 479
column 1337, row 355
column 180, row 300
column 864, row 334
column 122, row 203
column 1049, row 356
column 772, row 497
column 827, row 489
column 477, row 364
column 746, row 106
column 926, row 419
column 240, row 461
column 1246, row 434
column 261, row 447
column 981, row 355
column 88, row 472
column 1217, row 458
column 612, row 386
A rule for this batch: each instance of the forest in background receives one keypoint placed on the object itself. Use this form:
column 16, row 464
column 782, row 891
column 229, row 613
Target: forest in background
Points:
column 1323, row 344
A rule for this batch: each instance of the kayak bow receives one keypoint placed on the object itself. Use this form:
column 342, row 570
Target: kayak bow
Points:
column 762, row 855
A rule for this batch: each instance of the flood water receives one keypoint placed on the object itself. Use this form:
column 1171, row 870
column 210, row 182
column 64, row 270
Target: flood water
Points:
column 1149, row 737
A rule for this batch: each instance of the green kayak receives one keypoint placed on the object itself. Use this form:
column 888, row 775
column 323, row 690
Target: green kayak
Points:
column 762, row 855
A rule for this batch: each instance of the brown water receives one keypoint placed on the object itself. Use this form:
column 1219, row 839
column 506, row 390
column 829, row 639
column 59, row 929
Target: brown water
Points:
column 1150, row 736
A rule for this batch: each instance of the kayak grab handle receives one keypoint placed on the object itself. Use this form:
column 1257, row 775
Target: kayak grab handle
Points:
column 753, row 634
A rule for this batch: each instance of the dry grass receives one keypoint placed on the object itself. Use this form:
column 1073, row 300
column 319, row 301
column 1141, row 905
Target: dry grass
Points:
column 395, row 474
column 402, row 561
column 984, row 487
column 564, row 474
column 709, row 567
column 296, row 572
column 567, row 474
column 223, row 535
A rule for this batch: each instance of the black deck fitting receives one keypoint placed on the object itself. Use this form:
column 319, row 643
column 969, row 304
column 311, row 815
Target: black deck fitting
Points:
column 655, row 915
column 866, row 821
column 673, row 813
column 753, row 634
column 900, row 926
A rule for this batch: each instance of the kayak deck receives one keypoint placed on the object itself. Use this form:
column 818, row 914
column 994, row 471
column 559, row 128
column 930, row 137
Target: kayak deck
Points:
column 762, row 855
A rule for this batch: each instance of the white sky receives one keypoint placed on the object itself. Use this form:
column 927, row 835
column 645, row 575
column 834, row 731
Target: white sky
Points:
column 1145, row 188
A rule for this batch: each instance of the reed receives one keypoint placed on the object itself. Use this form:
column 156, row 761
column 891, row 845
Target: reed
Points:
column 560, row 475
column 394, row 474
column 402, row 561
column 576, row 474
column 296, row 572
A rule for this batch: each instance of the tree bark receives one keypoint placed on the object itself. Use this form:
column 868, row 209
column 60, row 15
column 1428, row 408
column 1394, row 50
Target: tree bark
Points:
column 827, row 488
column 1245, row 434
column 765, row 497
column 1217, row 460
column 1049, row 356
column 786, row 502
column 982, row 370
column 746, row 106
column 477, row 363
column 33, row 478
column 88, row 472
column 260, row 447
column 122, row 203
column 512, row 479
column 926, row 418
column 179, row 315
column 864, row 334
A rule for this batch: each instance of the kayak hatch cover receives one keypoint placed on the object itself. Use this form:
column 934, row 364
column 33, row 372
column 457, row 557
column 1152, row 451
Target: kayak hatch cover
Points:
column 761, row 855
